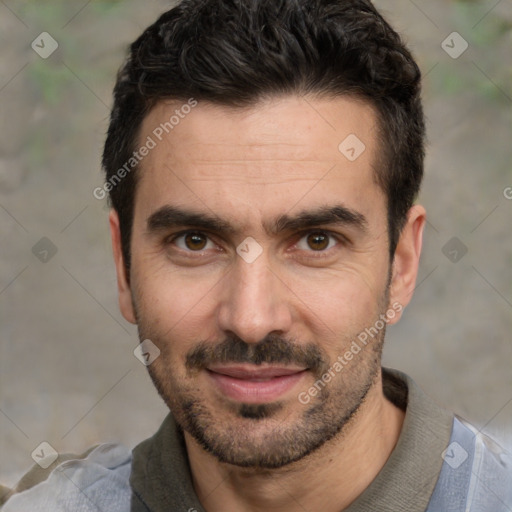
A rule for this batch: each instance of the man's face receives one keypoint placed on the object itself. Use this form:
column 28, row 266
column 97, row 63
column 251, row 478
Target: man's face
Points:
column 259, row 254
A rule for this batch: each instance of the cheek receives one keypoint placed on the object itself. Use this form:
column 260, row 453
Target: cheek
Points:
column 171, row 304
column 338, row 305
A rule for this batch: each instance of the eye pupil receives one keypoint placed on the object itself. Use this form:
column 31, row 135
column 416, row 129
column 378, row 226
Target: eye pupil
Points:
column 195, row 241
column 318, row 241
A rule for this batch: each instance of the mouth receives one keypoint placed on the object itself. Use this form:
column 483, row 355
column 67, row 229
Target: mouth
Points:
column 255, row 384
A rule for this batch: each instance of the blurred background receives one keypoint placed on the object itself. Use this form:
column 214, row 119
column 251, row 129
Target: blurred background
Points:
column 68, row 375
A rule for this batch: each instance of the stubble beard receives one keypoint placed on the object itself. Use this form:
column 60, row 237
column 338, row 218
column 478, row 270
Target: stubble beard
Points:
column 273, row 435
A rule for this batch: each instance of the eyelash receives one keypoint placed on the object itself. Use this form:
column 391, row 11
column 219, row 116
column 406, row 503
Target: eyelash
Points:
column 316, row 254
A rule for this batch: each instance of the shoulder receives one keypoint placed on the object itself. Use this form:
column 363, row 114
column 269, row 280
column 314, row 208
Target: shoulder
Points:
column 77, row 483
column 476, row 475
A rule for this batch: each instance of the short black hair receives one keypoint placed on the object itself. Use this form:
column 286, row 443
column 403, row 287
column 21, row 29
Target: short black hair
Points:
column 237, row 52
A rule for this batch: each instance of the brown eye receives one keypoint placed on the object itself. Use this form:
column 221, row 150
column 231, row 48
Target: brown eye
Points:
column 195, row 241
column 318, row 241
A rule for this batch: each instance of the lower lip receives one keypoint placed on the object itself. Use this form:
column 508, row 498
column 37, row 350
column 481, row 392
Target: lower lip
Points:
column 252, row 391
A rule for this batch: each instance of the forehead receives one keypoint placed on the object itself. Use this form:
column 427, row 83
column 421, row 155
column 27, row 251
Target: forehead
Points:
column 265, row 158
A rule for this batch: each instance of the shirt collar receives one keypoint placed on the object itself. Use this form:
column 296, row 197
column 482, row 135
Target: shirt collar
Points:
column 161, row 479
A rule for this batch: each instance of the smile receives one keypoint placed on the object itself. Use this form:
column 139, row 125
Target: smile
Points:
column 254, row 384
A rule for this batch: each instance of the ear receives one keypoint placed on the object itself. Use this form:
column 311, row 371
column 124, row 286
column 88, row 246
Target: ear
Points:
column 123, row 287
column 406, row 260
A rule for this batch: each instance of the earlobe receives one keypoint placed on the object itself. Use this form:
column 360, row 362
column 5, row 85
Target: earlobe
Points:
column 407, row 258
column 123, row 287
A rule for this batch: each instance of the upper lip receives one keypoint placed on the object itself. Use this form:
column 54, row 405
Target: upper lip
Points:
column 255, row 372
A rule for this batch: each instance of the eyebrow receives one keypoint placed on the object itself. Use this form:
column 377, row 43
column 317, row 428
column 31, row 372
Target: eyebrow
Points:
column 337, row 214
column 169, row 217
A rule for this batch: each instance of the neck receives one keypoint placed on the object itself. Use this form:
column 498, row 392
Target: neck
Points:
column 329, row 479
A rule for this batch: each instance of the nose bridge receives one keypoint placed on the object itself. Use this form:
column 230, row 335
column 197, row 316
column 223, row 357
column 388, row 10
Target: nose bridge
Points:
column 254, row 302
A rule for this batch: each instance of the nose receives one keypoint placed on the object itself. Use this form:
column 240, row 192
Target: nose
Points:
column 254, row 302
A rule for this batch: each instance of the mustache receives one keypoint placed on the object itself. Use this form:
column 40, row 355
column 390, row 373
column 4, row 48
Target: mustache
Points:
column 273, row 349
